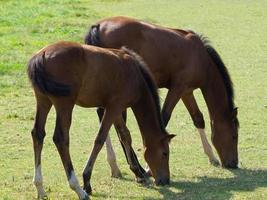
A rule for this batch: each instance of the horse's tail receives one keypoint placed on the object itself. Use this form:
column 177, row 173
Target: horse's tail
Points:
column 150, row 82
column 40, row 79
column 92, row 37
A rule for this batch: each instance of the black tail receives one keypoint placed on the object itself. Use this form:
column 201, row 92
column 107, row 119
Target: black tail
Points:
column 92, row 37
column 39, row 77
column 151, row 84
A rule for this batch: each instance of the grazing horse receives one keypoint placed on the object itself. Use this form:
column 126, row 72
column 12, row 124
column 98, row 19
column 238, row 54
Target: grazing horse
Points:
column 181, row 61
column 65, row 73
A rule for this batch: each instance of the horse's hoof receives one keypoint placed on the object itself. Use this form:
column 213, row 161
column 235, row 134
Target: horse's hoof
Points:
column 86, row 197
column 88, row 189
column 43, row 197
column 148, row 173
column 140, row 180
column 215, row 162
column 116, row 174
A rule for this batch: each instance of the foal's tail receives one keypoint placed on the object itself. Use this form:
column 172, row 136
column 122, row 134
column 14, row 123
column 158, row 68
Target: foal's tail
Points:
column 41, row 79
column 92, row 37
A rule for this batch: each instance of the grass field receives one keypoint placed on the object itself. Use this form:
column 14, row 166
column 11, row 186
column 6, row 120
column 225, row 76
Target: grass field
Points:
column 238, row 31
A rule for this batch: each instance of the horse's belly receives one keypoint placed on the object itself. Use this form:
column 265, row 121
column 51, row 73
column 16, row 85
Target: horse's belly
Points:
column 89, row 99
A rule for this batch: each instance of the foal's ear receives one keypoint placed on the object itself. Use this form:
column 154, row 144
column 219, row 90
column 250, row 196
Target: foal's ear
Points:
column 234, row 114
column 169, row 137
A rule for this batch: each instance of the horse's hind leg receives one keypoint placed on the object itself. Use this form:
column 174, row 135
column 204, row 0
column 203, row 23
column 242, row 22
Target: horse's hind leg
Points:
column 38, row 134
column 126, row 141
column 172, row 98
column 197, row 117
column 61, row 140
column 111, row 157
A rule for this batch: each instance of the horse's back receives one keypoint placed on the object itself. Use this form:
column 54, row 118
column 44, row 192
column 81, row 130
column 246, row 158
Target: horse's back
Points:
column 167, row 52
column 110, row 76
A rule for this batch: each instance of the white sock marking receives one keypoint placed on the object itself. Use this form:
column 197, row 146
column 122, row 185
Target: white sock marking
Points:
column 111, row 157
column 74, row 185
column 38, row 182
column 206, row 146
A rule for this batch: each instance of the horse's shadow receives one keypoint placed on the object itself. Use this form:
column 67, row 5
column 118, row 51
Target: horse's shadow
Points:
column 244, row 180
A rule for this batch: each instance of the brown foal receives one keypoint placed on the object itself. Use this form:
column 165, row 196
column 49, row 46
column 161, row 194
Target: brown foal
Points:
column 65, row 74
column 181, row 61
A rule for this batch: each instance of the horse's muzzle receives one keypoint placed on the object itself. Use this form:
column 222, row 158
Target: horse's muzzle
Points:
column 231, row 165
column 162, row 181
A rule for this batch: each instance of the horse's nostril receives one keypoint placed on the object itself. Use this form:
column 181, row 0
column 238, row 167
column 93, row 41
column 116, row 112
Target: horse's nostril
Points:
column 232, row 165
column 162, row 182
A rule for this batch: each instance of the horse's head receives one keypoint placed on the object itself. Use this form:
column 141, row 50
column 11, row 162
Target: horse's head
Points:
column 157, row 158
column 225, row 140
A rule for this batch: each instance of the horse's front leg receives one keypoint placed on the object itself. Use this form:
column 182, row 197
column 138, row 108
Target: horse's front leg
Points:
column 172, row 98
column 109, row 117
column 198, row 119
column 126, row 141
column 61, row 140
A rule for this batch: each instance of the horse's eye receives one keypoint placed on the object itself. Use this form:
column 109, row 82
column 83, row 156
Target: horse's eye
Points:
column 235, row 136
column 164, row 154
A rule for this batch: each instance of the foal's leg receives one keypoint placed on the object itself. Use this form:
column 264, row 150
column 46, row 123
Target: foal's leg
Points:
column 111, row 157
column 197, row 117
column 107, row 120
column 129, row 153
column 38, row 134
column 126, row 141
column 61, row 140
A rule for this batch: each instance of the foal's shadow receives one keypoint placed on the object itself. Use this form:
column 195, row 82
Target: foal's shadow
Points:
column 244, row 180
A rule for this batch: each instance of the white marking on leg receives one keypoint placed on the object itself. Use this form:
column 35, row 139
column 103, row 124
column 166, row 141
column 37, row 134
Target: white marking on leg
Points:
column 111, row 158
column 38, row 182
column 207, row 148
column 148, row 171
column 74, row 185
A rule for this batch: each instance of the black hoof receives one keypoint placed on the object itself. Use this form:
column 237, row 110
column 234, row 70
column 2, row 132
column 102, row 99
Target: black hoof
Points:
column 88, row 189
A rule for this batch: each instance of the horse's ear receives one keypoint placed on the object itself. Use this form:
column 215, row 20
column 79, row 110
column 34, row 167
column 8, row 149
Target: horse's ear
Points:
column 95, row 26
column 169, row 137
column 234, row 114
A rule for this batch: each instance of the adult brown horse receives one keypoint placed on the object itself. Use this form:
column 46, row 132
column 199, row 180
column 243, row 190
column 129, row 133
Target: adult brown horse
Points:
column 181, row 61
column 65, row 74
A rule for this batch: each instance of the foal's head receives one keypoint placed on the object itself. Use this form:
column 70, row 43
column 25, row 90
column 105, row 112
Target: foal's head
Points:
column 157, row 158
column 225, row 140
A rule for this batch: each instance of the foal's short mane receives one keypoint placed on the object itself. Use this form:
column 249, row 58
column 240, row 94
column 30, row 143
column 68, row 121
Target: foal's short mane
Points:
column 150, row 84
column 222, row 69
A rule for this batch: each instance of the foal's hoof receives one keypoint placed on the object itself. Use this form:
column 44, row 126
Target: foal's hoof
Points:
column 215, row 162
column 116, row 174
column 86, row 197
column 88, row 189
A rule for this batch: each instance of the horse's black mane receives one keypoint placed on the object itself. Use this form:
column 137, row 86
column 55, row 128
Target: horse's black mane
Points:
column 222, row 69
column 224, row 74
column 150, row 83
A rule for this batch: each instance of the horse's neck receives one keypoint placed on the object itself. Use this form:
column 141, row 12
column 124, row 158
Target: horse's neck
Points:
column 147, row 119
column 215, row 95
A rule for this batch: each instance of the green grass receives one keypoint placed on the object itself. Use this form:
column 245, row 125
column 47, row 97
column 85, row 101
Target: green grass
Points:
column 238, row 31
